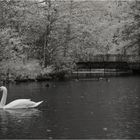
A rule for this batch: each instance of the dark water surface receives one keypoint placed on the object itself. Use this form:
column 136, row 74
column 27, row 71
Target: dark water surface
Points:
column 75, row 109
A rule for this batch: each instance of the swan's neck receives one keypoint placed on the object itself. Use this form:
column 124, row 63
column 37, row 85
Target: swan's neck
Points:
column 4, row 97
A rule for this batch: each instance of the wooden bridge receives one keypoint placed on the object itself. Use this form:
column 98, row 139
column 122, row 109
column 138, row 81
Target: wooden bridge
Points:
column 111, row 61
column 108, row 65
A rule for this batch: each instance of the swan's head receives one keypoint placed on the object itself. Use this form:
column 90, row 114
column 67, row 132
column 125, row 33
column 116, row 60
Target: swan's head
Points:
column 2, row 88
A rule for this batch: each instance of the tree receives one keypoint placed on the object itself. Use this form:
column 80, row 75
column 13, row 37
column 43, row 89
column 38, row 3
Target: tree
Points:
column 128, row 35
column 132, row 30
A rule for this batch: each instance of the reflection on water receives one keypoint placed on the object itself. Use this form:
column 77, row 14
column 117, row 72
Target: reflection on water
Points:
column 75, row 109
column 14, row 120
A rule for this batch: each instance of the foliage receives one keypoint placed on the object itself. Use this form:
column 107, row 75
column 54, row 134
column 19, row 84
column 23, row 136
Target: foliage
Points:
column 58, row 33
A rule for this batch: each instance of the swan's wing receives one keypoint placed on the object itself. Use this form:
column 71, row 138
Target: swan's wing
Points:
column 20, row 103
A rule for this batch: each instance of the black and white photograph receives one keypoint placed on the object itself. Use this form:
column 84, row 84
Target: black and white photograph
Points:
column 70, row 69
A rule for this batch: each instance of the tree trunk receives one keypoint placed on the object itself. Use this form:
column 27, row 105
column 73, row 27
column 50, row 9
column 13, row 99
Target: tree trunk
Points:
column 44, row 51
column 46, row 36
column 68, row 29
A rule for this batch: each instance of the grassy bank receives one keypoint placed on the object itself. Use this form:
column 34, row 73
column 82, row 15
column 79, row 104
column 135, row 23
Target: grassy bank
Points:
column 30, row 71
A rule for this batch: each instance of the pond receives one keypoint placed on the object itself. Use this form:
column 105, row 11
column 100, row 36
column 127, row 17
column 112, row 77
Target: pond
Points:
column 86, row 109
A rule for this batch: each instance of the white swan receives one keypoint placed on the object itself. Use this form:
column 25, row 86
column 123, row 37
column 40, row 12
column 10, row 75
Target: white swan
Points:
column 19, row 103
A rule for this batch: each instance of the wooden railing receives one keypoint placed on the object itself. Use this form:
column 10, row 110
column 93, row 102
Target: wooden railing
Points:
column 112, row 58
column 110, row 62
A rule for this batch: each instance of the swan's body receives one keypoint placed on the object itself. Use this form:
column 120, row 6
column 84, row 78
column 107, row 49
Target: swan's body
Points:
column 19, row 103
column 22, row 103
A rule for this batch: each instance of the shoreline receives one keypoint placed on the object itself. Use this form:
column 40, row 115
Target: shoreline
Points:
column 67, row 75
